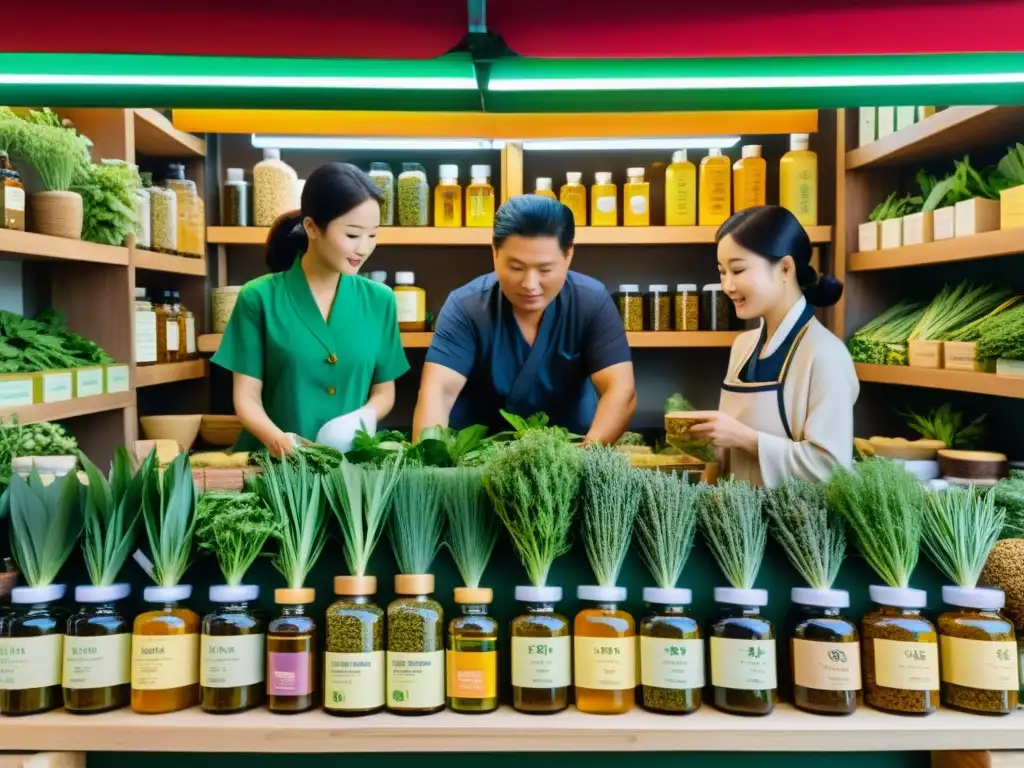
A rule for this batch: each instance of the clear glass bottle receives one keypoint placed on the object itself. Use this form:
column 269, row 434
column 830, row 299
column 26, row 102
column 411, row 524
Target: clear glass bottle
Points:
column 31, row 651
column 900, row 653
column 631, row 306
column 410, row 302
column 232, row 652
column 97, row 673
column 12, row 201
column 188, row 202
column 716, row 309
column 573, row 195
column 415, row 659
column 659, row 308
column 978, row 652
column 543, row 187
column 291, row 654
column 145, row 329
column 144, row 222
column 187, row 349
column 413, row 195
column 275, row 188
column 163, row 207
column 480, row 198
column 604, row 201
column 472, row 660
column 824, row 651
column 236, row 204
column 541, row 653
column 686, row 306
column 636, row 199
column 165, row 653
column 671, row 653
column 385, row 181
column 354, row 669
column 743, row 669
column 604, row 659
column 171, row 336
column 448, row 198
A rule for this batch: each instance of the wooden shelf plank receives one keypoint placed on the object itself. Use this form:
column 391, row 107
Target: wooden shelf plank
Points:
column 930, row 378
column 157, row 137
column 261, row 731
column 668, row 235
column 69, row 409
column 30, row 245
column 950, row 133
column 166, row 373
column 162, row 262
column 1003, row 242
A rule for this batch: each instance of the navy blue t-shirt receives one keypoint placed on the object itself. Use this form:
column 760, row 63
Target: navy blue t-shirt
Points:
column 477, row 336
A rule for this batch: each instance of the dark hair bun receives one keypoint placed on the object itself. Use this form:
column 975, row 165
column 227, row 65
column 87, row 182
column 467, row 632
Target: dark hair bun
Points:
column 826, row 292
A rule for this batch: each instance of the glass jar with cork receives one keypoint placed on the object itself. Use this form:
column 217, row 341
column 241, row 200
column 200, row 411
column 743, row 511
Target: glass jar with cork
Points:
column 631, row 306
column 97, row 652
column 165, row 653
column 233, row 655
column 415, row 658
column 825, row 652
column 291, row 653
column 671, row 653
column 743, row 660
column 541, row 652
column 472, row 659
column 354, row 667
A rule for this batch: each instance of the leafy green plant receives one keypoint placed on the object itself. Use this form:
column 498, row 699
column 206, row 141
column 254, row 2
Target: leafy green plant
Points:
column 882, row 341
column 676, row 402
column 43, row 344
column 46, row 521
column 235, row 527
column 57, row 154
column 1002, row 336
column 109, row 201
column 168, row 508
column 961, row 525
column 42, row 438
column 472, row 525
column 954, row 308
column 377, row 448
column 445, row 447
column 895, row 207
column 1009, row 496
column 293, row 493
column 666, row 524
column 538, row 421
column 417, row 520
column 948, row 426
column 611, row 493
column 361, row 500
column 735, row 530
column 964, row 183
column 631, row 439
column 811, row 535
column 1009, row 171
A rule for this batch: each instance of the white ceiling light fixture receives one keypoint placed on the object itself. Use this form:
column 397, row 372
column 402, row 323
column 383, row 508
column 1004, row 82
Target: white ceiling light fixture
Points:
column 260, row 141
column 690, row 142
column 247, row 81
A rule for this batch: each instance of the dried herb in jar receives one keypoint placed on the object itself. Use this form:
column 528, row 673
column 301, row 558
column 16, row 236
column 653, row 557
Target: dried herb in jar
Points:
column 631, row 307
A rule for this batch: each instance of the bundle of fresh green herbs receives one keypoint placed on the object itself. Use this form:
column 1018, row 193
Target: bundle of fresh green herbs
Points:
column 168, row 509
column 44, row 344
column 46, row 521
column 811, row 534
column 1009, row 171
column 953, row 308
column 538, row 421
column 611, row 493
column 972, row 331
column 735, row 529
column 472, row 524
column 417, row 520
column 41, row 438
column 1009, row 496
column 948, row 426
column 235, row 527
column 446, row 447
column 59, row 155
column 961, row 525
column 883, row 341
column 1002, row 336
column 895, row 207
column 964, row 183
column 109, row 201
column 666, row 524
column 361, row 496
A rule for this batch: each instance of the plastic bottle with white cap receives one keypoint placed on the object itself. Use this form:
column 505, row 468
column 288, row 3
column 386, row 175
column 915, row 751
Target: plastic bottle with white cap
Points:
column 232, row 651
column 448, row 198
column 636, row 199
column 573, row 195
column 671, row 653
column 31, row 636
column 541, row 652
column 165, row 652
column 480, row 197
column 825, row 651
column 743, row 659
column 604, row 652
column 98, row 651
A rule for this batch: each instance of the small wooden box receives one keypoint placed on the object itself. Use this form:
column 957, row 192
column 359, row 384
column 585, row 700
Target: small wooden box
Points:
column 90, row 382
column 963, row 356
column 924, row 354
column 919, row 228
column 975, row 216
column 869, row 236
column 17, row 390
column 1011, row 208
column 944, row 223
column 892, row 234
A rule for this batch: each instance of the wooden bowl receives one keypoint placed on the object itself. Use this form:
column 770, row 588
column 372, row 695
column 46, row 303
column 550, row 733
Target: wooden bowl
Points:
column 222, row 431
column 974, row 466
column 909, row 450
column 181, row 429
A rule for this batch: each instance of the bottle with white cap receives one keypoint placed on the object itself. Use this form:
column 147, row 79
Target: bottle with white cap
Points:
column 291, row 652
column 410, row 303
column 680, row 191
column 448, row 198
column 541, row 652
column 233, row 649
column 825, row 650
column 743, row 674
column 671, row 650
column 573, row 195
column 33, row 632
column 480, row 197
column 544, row 188
column 714, row 193
column 98, row 651
column 604, row 652
column 379, row 276
column 604, row 211
column 636, row 199
column 236, row 204
column 798, row 180
column 748, row 178
column 165, row 652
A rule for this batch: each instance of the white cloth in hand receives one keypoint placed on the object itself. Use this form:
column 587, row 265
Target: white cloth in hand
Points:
column 340, row 432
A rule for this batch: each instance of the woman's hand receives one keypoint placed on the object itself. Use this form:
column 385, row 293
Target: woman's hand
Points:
column 724, row 431
column 281, row 444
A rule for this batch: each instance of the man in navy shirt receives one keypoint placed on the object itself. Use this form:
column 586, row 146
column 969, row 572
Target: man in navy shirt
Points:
column 531, row 336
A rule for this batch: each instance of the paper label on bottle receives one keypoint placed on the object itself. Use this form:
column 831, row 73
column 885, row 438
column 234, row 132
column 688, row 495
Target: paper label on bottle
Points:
column 541, row 662
column 117, row 378
column 983, row 664
column 605, row 204
column 164, row 662
column 289, row 674
column 97, row 662
column 57, row 387
column 231, row 661
column 172, row 335
column 14, row 199
column 744, row 665
column 826, row 666
column 89, row 382
column 354, row 680
column 675, row 664
column 415, row 680
column 605, row 663
column 190, row 335
column 907, row 666
column 638, row 204
column 15, row 393
column 145, row 337
column 30, row 662
column 407, row 303
column 472, row 674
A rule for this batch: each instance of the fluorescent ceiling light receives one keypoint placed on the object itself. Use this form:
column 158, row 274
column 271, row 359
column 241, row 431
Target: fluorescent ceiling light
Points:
column 255, row 81
column 342, row 142
column 713, row 142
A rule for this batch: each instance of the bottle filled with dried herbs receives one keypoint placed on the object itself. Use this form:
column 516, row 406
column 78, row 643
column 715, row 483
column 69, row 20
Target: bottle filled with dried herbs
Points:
column 291, row 653
column 604, row 652
column 232, row 652
column 541, row 652
column 413, row 195
column 659, row 308
column 415, row 659
column 671, row 653
column 354, row 670
column 165, row 653
column 686, row 306
column 631, row 306
column 385, row 181
column 98, row 652
column 743, row 662
column 825, row 652
column 472, row 658
column 31, row 650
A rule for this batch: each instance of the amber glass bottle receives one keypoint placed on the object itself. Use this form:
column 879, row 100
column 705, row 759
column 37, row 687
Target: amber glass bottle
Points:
column 605, row 652
column 743, row 670
column 671, row 653
column 31, row 642
column 354, row 676
column 232, row 652
column 291, row 654
column 472, row 661
column 541, row 653
column 98, row 652
column 824, row 650
column 165, row 653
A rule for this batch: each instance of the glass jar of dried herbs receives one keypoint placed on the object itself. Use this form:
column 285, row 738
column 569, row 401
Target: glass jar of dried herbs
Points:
column 631, row 307
column 97, row 652
column 978, row 652
column 415, row 659
column 659, row 308
column 671, row 653
column 232, row 652
column 31, row 643
column 825, row 652
column 291, row 653
column 900, row 652
column 743, row 674
column 472, row 659
column 541, row 653
column 354, row 663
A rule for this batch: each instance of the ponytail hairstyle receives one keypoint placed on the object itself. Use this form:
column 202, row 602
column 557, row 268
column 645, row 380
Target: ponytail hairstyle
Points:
column 773, row 233
column 332, row 190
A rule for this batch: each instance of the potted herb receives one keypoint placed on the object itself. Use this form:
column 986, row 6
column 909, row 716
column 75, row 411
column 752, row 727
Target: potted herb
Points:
column 884, row 227
column 978, row 345
column 824, row 645
column 883, row 505
column 46, row 521
column 671, row 648
column 964, row 203
column 604, row 646
column 743, row 675
column 533, row 483
column 415, row 660
column 98, row 645
column 57, row 155
column 472, row 637
column 232, row 651
column 360, row 496
column 961, row 526
column 1009, row 179
column 110, row 203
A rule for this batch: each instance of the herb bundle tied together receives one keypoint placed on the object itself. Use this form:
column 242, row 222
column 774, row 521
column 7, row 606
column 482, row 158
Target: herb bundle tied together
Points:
column 611, row 499
column 735, row 530
column 811, row 535
column 666, row 524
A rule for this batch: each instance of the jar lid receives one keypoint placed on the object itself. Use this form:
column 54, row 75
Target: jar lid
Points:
column 474, row 595
column 380, row 167
column 684, row 287
column 405, row 278
column 543, row 182
column 658, row 288
column 87, row 593
column 751, row 150
column 755, row 598
column 603, row 177
column 629, row 288
column 228, row 289
column 29, row 595
column 898, row 597
column 713, row 287
column 243, row 593
column 167, row 594
column 635, row 172
column 573, row 177
column 271, row 154
column 480, row 171
column 449, row 171
column 414, row 583
column 289, row 596
column 235, row 175
column 715, row 152
column 379, row 276
column 530, row 594
column 820, row 598
column 355, row 585
column 679, row 156
column 599, row 594
column 668, row 596
column 140, row 293
column 800, row 141
column 982, row 598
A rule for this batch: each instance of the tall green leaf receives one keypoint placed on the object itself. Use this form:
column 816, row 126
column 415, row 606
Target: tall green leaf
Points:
column 417, row 520
column 472, row 525
column 735, row 530
column 169, row 506
column 360, row 497
column 293, row 492
column 961, row 525
column 46, row 521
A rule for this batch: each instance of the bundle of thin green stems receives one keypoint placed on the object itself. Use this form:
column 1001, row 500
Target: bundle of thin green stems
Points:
column 417, row 520
column 611, row 498
column 961, row 525
column 954, row 308
column 666, row 524
column 472, row 524
column 735, row 530
column 809, row 532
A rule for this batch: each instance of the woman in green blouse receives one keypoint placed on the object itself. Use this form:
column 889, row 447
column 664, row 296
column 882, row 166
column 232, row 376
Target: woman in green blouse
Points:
column 313, row 341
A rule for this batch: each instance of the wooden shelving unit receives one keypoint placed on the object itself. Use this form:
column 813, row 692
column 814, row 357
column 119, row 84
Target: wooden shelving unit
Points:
column 156, row 136
column 168, row 373
column 162, row 262
column 69, row 409
column 1003, row 242
column 930, row 378
column 29, row 245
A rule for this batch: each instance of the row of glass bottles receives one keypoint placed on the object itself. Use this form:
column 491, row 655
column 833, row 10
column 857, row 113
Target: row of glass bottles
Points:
column 164, row 332
column 172, row 218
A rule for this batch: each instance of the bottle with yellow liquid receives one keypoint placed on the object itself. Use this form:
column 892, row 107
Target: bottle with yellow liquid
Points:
column 748, row 178
column 448, row 198
column 544, row 188
column 798, row 180
column 480, row 197
column 603, row 201
column 715, row 197
column 680, row 191
column 573, row 195
column 636, row 199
